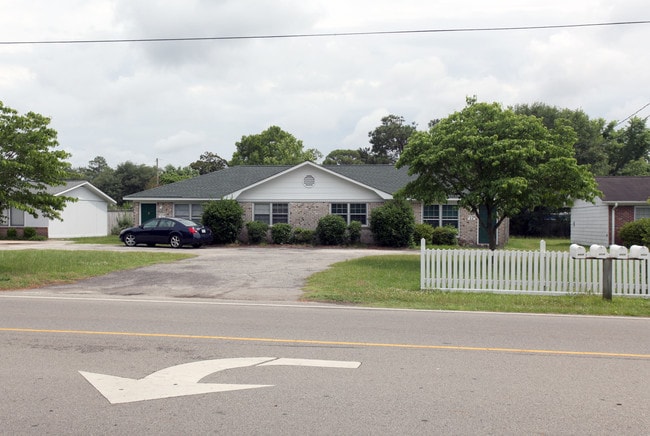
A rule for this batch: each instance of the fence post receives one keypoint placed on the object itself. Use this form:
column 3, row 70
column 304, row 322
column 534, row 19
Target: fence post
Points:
column 542, row 264
column 423, row 247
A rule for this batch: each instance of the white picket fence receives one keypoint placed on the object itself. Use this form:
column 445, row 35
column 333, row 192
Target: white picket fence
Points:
column 528, row 272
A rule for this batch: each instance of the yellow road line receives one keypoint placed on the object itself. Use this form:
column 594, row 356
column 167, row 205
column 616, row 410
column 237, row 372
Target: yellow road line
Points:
column 346, row 343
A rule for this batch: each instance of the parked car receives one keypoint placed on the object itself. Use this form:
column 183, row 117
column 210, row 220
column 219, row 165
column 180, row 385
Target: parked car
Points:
column 173, row 231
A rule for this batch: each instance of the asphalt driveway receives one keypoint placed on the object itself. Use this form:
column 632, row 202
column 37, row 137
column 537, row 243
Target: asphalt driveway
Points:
column 230, row 273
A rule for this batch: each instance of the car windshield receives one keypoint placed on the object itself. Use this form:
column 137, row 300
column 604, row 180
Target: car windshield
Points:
column 187, row 223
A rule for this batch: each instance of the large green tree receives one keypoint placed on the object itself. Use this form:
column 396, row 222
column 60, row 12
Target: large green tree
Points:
column 273, row 146
column 498, row 161
column 30, row 163
column 389, row 139
column 172, row 174
column 209, row 162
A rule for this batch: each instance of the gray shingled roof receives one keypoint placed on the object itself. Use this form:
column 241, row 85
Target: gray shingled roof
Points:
column 221, row 183
column 624, row 189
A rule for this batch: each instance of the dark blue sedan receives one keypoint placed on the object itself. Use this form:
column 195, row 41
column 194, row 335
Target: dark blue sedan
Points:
column 173, row 231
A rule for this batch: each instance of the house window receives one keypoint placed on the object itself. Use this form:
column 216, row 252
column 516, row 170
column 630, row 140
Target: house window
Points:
column 351, row 212
column 16, row 217
column 271, row 213
column 439, row 215
column 641, row 212
column 193, row 212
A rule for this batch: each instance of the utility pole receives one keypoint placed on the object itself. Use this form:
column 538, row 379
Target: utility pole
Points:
column 157, row 174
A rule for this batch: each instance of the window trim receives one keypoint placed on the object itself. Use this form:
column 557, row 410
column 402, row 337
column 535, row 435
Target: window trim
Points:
column 646, row 213
column 274, row 217
column 348, row 215
column 191, row 209
column 440, row 217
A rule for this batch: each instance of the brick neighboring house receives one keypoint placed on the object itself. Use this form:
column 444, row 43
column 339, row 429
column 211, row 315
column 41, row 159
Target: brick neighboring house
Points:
column 302, row 194
column 625, row 199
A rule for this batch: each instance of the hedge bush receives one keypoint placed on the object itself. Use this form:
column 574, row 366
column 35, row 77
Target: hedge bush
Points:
column 303, row 236
column 29, row 233
column 281, row 233
column 12, row 233
column 423, row 231
column 257, row 231
column 225, row 219
column 354, row 232
column 393, row 223
column 446, row 235
column 331, row 230
column 636, row 232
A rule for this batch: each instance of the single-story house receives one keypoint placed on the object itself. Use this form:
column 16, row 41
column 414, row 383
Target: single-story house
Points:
column 302, row 194
column 88, row 216
column 624, row 199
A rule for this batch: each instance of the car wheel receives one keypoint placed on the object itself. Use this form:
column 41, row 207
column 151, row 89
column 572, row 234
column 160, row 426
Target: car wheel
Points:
column 129, row 240
column 175, row 241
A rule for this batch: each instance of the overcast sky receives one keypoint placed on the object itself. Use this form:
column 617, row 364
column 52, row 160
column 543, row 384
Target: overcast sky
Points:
column 172, row 101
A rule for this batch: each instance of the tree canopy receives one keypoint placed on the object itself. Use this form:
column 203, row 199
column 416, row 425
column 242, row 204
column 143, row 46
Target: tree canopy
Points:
column 209, row 162
column 389, row 139
column 496, row 161
column 599, row 145
column 30, row 164
column 273, row 146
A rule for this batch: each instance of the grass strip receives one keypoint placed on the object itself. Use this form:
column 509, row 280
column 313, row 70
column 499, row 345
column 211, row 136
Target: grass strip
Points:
column 21, row 269
column 394, row 281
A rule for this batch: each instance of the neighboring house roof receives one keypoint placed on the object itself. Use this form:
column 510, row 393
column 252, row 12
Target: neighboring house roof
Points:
column 71, row 185
column 624, row 189
column 231, row 181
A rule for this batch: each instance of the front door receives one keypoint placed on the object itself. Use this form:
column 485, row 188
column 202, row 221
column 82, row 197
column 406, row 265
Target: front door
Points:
column 147, row 212
column 483, row 237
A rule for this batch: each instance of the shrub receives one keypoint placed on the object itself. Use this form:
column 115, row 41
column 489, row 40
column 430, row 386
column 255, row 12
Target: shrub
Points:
column 331, row 230
column 123, row 222
column 393, row 223
column 423, row 231
column 446, row 235
column 256, row 231
column 354, row 232
column 225, row 219
column 281, row 233
column 303, row 236
column 29, row 233
column 12, row 233
column 636, row 232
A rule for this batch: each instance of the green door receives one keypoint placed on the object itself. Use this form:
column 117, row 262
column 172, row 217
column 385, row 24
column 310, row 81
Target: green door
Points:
column 483, row 237
column 147, row 212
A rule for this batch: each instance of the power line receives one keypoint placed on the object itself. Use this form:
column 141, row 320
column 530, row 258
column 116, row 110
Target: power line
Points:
column 322, row 35
column 624, row 120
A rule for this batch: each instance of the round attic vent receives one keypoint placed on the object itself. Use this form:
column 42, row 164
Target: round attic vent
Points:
column 309, row 181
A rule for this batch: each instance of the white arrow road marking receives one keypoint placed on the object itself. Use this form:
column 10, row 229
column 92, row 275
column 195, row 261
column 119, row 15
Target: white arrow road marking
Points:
column 181, row 380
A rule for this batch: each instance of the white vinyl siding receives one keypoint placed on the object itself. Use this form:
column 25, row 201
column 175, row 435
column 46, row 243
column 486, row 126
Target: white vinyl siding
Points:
column 590, row 223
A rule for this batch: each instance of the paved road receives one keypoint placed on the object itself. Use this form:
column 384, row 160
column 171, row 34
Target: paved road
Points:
column 233, row 273
column 421, row 372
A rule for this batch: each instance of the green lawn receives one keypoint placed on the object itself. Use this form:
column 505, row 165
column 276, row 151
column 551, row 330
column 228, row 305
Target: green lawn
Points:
column 21, row 269
column 394, row 281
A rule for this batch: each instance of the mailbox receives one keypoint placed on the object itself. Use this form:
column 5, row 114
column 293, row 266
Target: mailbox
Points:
column 597, row 251
column 617, row 251
column 638, row 252
column 577, row 251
